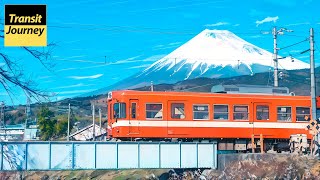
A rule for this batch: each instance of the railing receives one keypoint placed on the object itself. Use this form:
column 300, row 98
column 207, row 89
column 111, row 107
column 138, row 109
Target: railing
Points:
column 105, row 155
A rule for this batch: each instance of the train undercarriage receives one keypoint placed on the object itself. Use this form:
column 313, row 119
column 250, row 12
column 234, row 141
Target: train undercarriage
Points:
column 296, row 144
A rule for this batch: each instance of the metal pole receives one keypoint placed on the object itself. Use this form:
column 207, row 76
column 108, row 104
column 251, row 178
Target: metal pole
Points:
column 68, row 136
column 2, row 113
column 1, row 120
column 100, row 117
column 151, row 86
column 275, row 56
column 4, row 122
column 312, row 78
column 313, row 82
column 93, row 124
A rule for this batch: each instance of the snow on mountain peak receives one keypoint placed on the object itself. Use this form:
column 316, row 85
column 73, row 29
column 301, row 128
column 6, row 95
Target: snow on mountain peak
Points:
column 211, row 54
column 221, row 48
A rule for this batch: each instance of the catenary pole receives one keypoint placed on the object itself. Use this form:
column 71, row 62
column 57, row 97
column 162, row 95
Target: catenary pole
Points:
column 100, row 124
column 275, row 56
column 312, row 78
column 313, row 82
column 93, row 123
column 68, row 136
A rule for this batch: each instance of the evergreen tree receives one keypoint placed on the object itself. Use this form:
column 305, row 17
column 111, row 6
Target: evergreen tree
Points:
column 47, row 123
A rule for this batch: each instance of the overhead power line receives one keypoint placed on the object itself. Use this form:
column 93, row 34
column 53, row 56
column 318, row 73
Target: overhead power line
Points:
column 117, row 28
column 152, row 59
column 294, row 44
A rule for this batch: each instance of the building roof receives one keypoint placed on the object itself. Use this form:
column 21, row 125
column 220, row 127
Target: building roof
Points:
column 15, row 127
column 87, row 132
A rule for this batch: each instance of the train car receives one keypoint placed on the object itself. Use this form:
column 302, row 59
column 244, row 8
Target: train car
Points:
column 193, row 116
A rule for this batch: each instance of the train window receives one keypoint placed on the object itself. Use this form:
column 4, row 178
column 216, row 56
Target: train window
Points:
column 220, row 112
column 302, row 112
column 119, row 110
column 284, row 113
column 201, row 112
column 154, row 111
column 133, row 110
column 240, row 112
column 262, row 112
column 177, row 111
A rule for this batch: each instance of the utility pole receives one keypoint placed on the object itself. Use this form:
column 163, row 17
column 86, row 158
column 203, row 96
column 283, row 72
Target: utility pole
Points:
column 275, row 56
column 68, row 136
column 275, row 33
column 93, row 123
column 100, row 117
column 3, row 120
column 28, row 111
column 2, row 114
column 151, row 86
column 313, row 83
column 312, row 78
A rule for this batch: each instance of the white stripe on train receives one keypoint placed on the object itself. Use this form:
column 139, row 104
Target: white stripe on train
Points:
column 232, row 124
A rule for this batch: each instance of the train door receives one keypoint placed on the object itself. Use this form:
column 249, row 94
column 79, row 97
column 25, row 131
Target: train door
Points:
column 176, row 116
column 133, row 114
column 261, row 113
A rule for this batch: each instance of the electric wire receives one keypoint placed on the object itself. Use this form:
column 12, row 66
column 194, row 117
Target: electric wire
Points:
column 143, row 29
column 294, row 44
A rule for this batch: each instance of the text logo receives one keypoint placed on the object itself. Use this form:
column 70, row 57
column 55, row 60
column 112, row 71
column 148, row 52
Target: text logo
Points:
column 25, row 25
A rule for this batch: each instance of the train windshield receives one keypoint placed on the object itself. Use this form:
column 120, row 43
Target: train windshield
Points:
column 119, row 110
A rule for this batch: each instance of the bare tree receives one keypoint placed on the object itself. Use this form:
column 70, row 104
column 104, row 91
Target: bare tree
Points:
column 13, row 76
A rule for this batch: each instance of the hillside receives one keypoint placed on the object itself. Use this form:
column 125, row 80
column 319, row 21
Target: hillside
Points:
column 297, row 81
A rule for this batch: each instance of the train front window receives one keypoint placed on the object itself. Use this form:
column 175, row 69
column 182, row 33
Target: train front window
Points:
column 201, row 112
column 284, row 114
column 177, row 111
column 154, row 111
column 262, row 112
column 220, row 112
column 303, row 113
column 119, row 110
column 240, row 112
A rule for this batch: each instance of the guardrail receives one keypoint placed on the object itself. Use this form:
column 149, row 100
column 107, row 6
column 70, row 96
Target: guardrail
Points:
column 105, row 155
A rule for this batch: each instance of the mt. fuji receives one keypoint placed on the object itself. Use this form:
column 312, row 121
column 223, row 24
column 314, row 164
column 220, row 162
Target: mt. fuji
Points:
column 212, row 54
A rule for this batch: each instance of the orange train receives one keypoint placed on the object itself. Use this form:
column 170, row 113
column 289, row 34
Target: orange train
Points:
column 207, row 116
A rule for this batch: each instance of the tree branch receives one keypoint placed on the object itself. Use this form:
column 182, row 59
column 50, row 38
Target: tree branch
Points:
column 12, row 76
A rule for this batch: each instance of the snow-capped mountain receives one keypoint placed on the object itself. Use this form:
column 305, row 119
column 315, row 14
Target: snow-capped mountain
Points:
column 213, row 54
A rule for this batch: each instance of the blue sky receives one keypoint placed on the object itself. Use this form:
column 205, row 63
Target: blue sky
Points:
column 129, row 35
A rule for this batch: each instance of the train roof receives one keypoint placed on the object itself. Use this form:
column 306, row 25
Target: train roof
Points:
column 204, row 94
